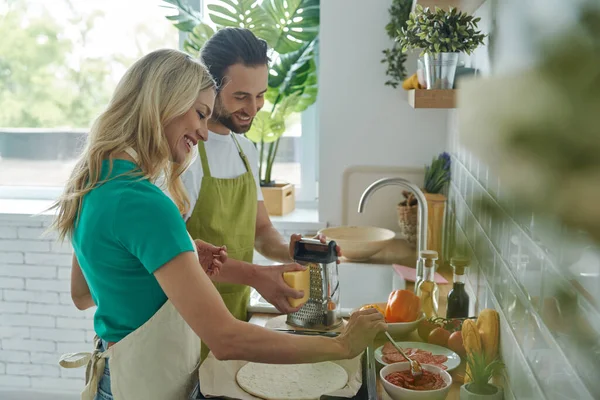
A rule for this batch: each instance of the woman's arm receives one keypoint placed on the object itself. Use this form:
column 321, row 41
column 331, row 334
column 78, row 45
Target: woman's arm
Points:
column 195, row 297
column 80, row 292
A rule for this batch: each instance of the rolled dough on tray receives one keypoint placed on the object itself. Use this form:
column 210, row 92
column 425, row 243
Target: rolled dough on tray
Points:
column 291, row 382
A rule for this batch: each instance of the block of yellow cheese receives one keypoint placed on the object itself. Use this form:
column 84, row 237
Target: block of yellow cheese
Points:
column 299, row 280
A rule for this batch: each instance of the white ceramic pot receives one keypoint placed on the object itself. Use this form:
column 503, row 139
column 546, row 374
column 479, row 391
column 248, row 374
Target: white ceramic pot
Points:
column 466, row 394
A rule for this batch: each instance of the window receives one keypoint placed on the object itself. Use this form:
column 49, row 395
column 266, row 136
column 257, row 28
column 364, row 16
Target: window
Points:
column 59, row 63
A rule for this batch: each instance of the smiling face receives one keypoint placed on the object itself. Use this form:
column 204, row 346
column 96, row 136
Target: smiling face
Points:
column 241, row 97
column 184, row 131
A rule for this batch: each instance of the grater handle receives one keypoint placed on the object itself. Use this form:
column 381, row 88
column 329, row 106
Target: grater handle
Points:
column 324, row 253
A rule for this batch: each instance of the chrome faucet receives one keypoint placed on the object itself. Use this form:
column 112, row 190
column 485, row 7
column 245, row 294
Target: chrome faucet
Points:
column 422, row 204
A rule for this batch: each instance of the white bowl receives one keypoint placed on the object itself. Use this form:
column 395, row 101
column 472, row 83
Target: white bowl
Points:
column 399, row 328
column 359, row 243
column 403, row 328
column 399, row 393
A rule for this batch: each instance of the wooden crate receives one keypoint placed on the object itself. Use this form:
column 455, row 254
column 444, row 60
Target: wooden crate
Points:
column 279, row 199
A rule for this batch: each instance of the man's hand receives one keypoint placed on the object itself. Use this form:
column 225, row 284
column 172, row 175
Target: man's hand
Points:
column 272, row 287
column 296, row 237
column 211, row 257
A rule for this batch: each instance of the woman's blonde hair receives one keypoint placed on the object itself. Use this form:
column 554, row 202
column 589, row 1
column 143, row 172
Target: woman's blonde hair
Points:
column 160, row 86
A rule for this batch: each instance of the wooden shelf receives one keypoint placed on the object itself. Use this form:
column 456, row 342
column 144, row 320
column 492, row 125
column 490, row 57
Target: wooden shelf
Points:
column 468, row 6
column 432, row 98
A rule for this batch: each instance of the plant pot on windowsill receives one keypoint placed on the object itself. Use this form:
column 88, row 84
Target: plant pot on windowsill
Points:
column 470, row 391
column 279, row 198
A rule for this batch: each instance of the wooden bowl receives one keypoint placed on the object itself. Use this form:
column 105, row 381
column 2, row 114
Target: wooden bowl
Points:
column 359, row 243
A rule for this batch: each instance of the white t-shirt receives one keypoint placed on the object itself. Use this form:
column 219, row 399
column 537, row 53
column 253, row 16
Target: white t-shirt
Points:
column 224, row 162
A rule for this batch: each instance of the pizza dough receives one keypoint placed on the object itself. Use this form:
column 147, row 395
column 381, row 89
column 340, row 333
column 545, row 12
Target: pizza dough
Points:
column 291, row 382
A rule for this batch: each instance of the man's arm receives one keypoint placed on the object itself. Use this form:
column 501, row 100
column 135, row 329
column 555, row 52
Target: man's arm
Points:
column 268, row 241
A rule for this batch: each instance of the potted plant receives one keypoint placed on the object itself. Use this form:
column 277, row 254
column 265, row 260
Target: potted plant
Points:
column 291, row 30
column 437, row 177
column 479, row 374
column 441, row 35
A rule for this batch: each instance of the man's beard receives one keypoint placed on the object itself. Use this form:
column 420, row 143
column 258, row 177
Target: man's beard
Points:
column 225, row 118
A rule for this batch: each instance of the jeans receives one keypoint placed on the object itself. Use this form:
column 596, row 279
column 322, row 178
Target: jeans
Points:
column 104, row 392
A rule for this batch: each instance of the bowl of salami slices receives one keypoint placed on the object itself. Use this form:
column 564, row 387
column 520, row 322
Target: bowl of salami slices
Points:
column 424, row 353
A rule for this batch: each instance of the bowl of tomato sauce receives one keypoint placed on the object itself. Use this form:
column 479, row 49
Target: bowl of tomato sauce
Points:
column 399, row 383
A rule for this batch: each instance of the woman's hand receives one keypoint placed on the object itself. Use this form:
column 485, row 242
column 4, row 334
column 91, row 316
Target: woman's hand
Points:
column 361, row 330
column 211, row 257
column 320, row 237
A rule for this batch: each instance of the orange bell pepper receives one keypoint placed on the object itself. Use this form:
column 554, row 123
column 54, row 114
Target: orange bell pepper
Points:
column 402, row 306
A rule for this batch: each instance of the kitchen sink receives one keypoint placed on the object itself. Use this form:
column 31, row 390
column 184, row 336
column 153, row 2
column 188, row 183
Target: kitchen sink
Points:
column 360, row 283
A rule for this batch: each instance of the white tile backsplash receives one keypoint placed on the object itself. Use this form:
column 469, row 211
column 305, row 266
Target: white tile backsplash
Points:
column 517, row 268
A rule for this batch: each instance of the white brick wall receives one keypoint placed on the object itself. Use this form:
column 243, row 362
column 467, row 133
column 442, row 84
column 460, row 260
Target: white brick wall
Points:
column 38, row 321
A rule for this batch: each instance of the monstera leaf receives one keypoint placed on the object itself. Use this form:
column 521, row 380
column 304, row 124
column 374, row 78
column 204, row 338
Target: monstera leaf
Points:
column 294, row 73
column 186, row 18
column 262, row 128
column 310, row 88
column 295, row 22
column 196, row 38
column 285, row 66
column 244, row 14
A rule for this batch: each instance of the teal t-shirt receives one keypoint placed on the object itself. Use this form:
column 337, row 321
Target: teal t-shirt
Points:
column 127, row 229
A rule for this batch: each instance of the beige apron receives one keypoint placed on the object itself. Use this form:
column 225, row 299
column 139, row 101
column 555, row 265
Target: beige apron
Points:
column 157, row 361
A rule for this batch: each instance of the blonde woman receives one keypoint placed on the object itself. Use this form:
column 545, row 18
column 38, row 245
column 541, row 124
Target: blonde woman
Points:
column 135, row 261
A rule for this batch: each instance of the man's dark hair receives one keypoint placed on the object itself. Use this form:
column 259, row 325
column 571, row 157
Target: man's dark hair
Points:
column 230, row 46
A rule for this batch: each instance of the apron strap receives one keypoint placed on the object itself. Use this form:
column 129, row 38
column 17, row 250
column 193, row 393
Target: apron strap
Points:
column 204, row 159
column 241, row 152
column 75, row 360
column 132, row 153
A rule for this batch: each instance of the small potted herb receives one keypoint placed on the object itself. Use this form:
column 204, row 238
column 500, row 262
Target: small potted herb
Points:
column 441, row 36
column 479, row 373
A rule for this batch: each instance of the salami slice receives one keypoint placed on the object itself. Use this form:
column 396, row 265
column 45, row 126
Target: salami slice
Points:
column 391, row 355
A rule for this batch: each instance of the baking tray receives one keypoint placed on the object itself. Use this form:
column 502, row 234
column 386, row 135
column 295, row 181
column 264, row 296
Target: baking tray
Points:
column 368, row 390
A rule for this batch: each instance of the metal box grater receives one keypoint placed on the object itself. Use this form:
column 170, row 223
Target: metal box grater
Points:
column 322, row 310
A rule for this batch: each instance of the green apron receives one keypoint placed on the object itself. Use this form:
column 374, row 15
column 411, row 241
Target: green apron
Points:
column 225, row 214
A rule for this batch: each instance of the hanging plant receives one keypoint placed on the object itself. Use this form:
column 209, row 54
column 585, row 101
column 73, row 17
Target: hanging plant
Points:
column 395, row 57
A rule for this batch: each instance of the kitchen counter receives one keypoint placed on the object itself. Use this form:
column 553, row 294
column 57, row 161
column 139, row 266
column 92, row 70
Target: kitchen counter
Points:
column 398, row 252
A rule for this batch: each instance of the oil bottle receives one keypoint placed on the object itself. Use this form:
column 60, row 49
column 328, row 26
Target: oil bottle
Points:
column 427, row 289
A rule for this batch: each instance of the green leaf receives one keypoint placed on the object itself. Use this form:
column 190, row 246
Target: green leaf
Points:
column 196, row 39
column 185, row 26
column 309, row 94
column 286, row 66
column 186, row 18
column 243, row 14
column 295, row 22
column 262, row 129
column 278, row 126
